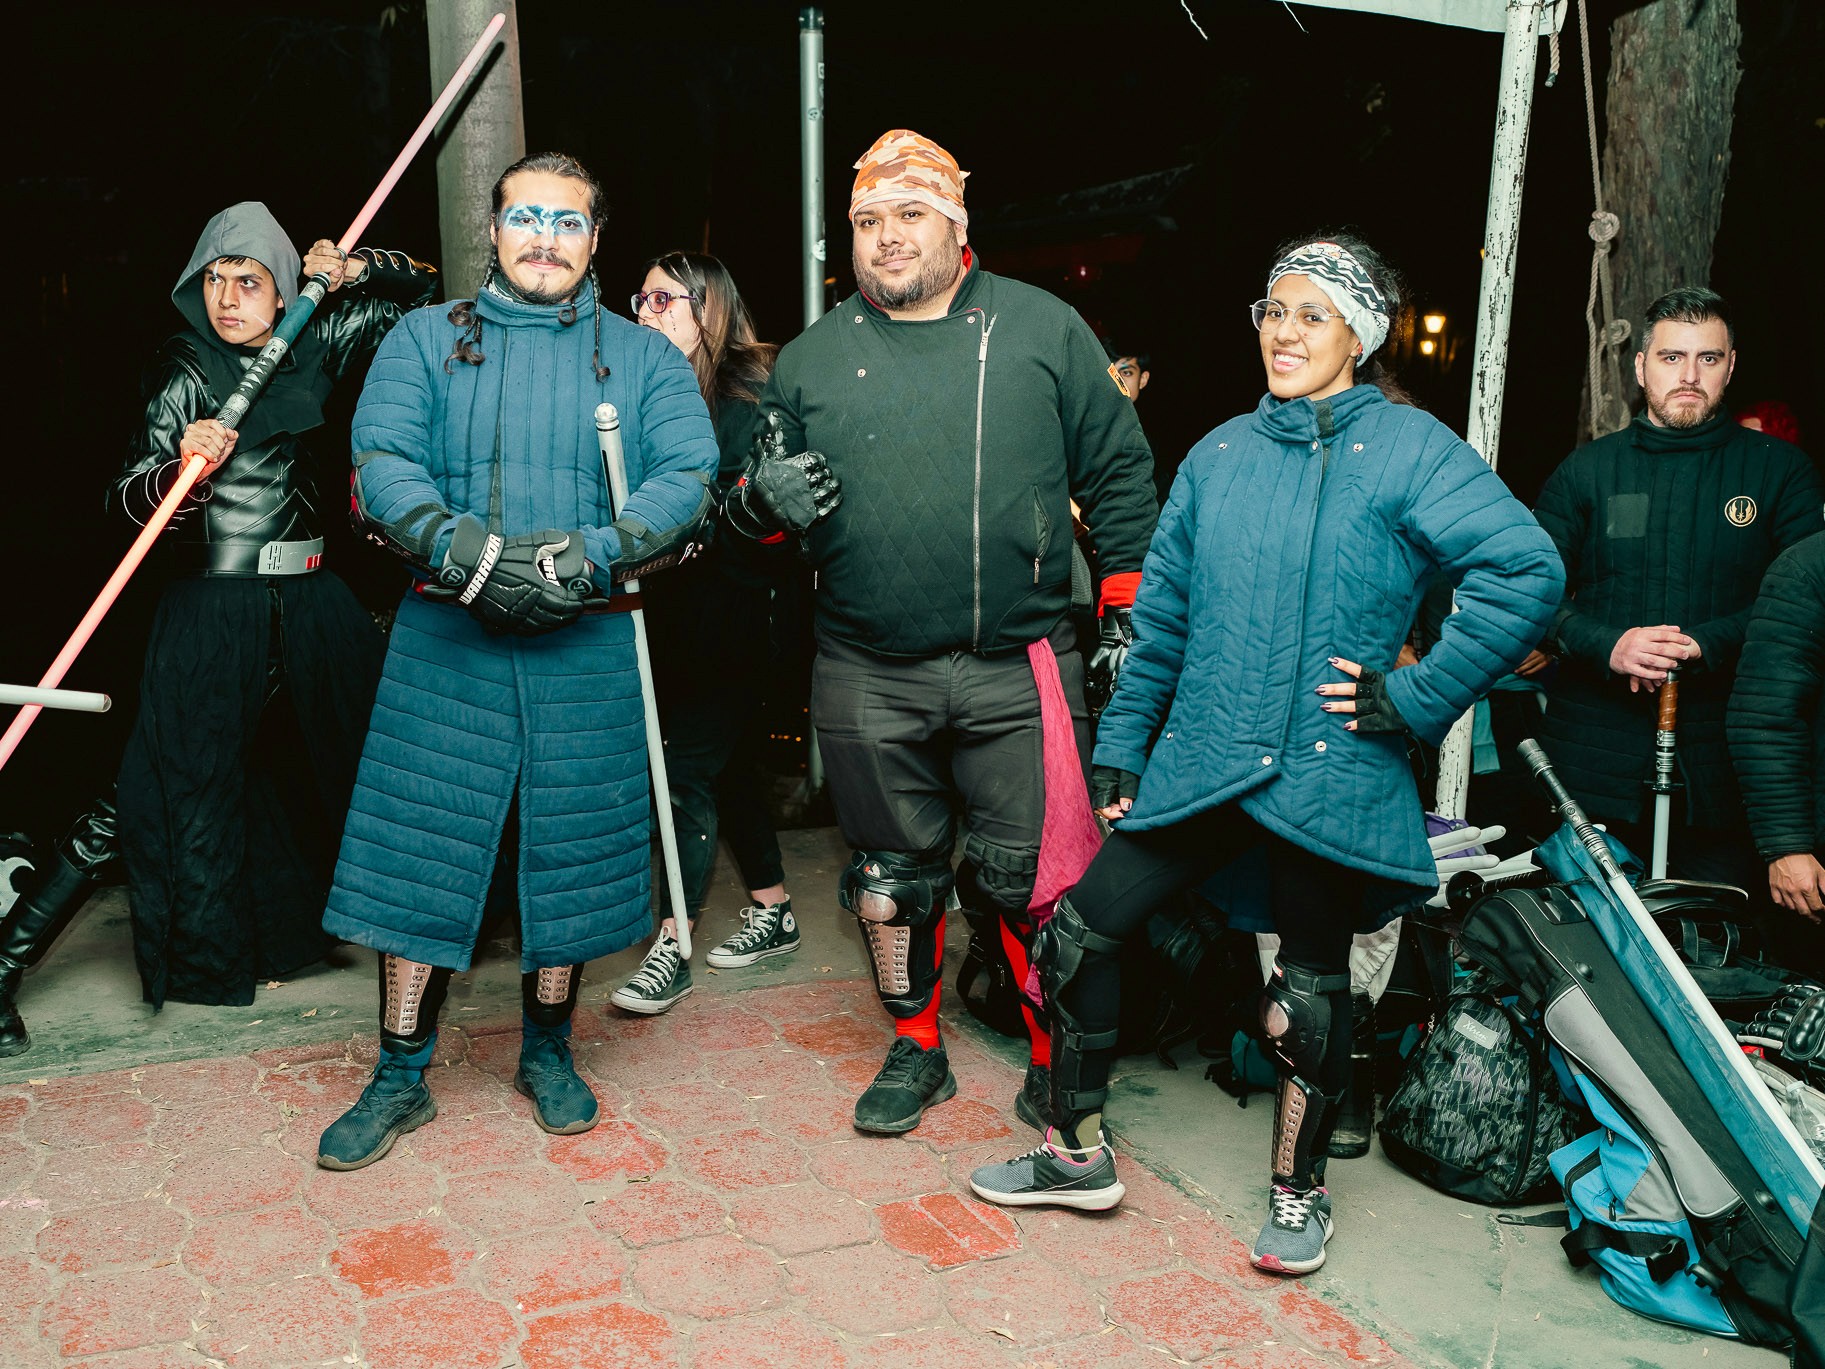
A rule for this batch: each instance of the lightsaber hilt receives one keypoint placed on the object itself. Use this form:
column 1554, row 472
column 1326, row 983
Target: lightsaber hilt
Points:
column 614, row 470
column 1568, row 808
column 1665, row 736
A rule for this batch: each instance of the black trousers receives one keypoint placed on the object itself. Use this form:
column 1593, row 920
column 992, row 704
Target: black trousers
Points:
column 1316, row 903
column 236, row 779
column 912, row 746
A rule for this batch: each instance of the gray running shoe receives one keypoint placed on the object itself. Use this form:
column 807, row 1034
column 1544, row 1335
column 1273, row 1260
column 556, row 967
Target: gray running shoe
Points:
column 771, row 930
column 1054, row 1175
column 1298, row 1226
column 663, row 978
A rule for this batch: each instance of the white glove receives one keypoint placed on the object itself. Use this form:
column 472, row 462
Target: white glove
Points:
column 1460, row 843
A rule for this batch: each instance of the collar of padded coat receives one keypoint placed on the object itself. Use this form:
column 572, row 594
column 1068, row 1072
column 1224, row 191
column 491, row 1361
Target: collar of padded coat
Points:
column 1715, row 431
column 497, row 306
column 1298, row 420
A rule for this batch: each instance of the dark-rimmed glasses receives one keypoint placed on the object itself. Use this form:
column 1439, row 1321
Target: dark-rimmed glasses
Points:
column 1308, row 318
column 661, row 300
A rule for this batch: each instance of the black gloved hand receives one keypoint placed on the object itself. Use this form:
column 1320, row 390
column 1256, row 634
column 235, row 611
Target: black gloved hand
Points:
column 1114, row 635
column 1375, row 711
column 1109, row 786
column 524, row 585
column 1792, row 1031
column 779, row 493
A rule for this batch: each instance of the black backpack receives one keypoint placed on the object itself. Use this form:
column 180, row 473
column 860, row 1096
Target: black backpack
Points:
column 1479, row 1109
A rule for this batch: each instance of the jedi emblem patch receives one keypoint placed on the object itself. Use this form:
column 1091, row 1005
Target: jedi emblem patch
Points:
column 1740, row 511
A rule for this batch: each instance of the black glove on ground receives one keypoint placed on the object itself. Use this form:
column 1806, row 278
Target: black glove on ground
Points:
column 780, row 494
column 1114, row 635
column 524, row 585
column 1109, row 786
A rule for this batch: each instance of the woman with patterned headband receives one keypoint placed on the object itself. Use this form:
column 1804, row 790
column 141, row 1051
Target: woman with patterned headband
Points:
column 1261, row 715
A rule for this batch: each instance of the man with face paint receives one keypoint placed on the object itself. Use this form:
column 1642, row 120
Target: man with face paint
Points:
column 1667, row 528
column 962, row 413
column 477, row 460
column 257, row 649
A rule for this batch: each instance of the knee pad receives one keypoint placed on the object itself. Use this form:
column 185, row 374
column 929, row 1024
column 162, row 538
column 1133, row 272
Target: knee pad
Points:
column 1297, row 1017
column 1060, row 948
column 898, row 901
column 1003, row 875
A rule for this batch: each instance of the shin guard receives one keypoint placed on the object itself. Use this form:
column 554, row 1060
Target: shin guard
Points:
column 411, row 997
column 1297, row 1012
column 898, row 902
column 548, row 996
column 1061, row 949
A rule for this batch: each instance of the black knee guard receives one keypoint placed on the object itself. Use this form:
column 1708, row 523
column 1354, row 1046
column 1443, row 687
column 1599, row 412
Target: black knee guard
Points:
column 1299, row 1011
column 998, row 876
column 1060, row 948
column 898, row 901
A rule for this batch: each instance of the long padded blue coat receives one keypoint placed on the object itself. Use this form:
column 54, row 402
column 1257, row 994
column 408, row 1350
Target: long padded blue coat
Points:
column 1293, row 534
column 463, row 717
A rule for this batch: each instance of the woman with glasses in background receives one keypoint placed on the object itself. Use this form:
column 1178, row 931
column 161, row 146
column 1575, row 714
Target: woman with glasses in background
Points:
column 1261, row 713
column 709, row 626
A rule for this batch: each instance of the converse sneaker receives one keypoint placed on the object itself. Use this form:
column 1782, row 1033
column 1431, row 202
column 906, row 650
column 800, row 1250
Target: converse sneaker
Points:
column 1054, row 1175
column 663, row 978
column 1298, row 1226
column 771, row 930
column 911, row 1080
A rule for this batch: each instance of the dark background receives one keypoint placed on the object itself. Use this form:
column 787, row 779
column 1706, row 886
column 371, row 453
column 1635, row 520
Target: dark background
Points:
column 133, row 124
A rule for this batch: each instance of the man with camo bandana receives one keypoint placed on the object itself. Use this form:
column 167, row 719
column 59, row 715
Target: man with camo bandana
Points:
column 962, row 413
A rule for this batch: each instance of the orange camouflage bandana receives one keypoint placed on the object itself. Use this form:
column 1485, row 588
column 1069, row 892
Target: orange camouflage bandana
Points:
column 904, row 166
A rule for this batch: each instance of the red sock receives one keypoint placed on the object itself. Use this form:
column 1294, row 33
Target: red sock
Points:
column 1038, row 1034
column 924, row 1027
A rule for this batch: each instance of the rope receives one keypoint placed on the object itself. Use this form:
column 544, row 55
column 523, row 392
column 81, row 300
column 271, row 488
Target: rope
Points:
column 1609, row 413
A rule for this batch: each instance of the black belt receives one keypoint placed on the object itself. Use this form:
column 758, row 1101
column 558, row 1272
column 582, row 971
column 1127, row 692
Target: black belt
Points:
column 264, row 558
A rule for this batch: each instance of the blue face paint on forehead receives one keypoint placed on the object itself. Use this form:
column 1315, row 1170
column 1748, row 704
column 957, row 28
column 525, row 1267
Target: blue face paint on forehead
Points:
column 537, row 220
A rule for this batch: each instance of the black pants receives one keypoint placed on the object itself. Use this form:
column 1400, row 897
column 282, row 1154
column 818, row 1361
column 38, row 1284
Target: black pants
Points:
column 712, row 764
column 1317, row 907
column 253, row 708
column 909, row 745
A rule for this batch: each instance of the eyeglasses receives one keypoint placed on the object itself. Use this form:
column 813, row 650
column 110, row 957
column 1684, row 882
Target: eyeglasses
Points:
column 659, row 300
column 1309, row 318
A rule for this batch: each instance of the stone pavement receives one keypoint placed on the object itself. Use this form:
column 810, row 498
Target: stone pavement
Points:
column 724, row 1212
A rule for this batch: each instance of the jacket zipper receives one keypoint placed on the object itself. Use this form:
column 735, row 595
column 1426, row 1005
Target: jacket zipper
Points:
column 982, row 371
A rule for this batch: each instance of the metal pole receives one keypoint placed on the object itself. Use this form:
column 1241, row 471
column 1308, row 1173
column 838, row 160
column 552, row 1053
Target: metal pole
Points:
column 1495, row 306
column 489, row 134
column 614, row 463
column 811, row 153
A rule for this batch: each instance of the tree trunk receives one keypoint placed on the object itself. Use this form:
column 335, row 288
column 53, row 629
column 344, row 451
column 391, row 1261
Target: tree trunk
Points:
column 1666, row 152
column 483, row 134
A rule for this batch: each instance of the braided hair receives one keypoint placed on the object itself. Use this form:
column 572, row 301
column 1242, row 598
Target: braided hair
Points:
column 467, row 348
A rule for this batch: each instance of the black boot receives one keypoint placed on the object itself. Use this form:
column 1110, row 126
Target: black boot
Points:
column 49, row 898
column 1356, row 1111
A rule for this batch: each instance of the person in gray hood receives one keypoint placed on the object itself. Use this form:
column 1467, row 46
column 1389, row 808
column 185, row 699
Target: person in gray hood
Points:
column 259, row 657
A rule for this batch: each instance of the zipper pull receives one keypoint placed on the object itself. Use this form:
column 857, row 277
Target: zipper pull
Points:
column 982, row 352
column 1036, row 570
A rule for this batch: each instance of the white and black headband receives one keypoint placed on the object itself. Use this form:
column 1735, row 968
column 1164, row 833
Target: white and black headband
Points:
column 1345, row 283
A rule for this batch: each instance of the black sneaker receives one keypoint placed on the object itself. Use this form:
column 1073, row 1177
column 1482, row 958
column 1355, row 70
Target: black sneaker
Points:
column 1054, row 1175
column 769, row 930
column 912, row 1080
column 663, row 978
column 1034, row 1100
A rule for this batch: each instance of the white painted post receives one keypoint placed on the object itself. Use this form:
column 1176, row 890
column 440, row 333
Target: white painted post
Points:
column 1495, row 303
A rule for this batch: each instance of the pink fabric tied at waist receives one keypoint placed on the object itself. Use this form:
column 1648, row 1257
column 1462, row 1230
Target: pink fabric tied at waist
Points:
column 1069, row 837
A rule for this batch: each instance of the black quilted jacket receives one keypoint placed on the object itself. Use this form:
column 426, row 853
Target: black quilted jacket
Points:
column 1657, row 526
column 1777, row 711
column 960, row 443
